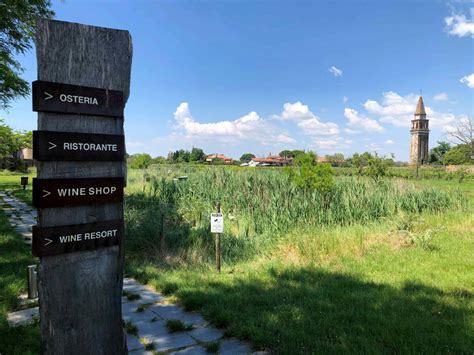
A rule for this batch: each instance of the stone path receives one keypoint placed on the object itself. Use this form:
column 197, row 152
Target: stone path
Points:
column 21, row 216
column 152, row 324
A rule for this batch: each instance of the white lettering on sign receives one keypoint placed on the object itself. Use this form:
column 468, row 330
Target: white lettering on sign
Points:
column 100, row 234
column 82, row 191
column 75, row 191
column 78, row 99
column 217, row 223
column 72, row 238
column 90, row 146
column 106, row 190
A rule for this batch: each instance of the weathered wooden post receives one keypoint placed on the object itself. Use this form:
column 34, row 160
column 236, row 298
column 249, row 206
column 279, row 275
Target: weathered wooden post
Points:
column 83, row 84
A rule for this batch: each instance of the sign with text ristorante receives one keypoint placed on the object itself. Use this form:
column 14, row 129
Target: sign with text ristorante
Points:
column 66, row 146
column 76, row 192
column 65, row 98
column 73, row 238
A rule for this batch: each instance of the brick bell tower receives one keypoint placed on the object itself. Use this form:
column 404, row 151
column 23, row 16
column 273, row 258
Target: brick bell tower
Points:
column 419, row 136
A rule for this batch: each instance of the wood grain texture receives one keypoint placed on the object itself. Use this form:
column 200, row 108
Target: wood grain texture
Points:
column 80, row 293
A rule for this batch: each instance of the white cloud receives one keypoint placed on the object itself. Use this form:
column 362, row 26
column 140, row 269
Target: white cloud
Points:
column 468, row 80
column 248, row 127
column 345, row 99
column 442, row 96
column 283, row 138
column 307, row 120
column 335, row 71
column 459, row 25
column 359, row 121
column 388, row 141
column 399, row 110
column 296, row 111
column 243, row 127
column 332, row 144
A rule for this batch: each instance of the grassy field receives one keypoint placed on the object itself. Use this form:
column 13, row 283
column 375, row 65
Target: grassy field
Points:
column 15, row 256
column 386, row 268
column 381, row 268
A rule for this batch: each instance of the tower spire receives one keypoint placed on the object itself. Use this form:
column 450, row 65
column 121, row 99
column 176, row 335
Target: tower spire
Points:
column 420, row 107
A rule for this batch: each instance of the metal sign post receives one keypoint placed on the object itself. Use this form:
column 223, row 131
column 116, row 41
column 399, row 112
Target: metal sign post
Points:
column 217, row 227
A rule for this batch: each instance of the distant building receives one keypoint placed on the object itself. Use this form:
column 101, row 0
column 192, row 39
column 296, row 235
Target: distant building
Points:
column 24, row 154
column 322, row 159
column 419, row 151
column 226, row 160
column 271, row 160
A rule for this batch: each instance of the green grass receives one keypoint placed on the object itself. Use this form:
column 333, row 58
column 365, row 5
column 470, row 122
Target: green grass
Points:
column 359, row 289
column 397, row 279
column 15, row 256
column 385, row 268
column 11, row 181
column 176, row 325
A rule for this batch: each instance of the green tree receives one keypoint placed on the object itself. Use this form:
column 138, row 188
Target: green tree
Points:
column 360, row 161
column 460, row 154
column 8, row 143
column 311, row 176
column 438, row 152
column 159, row 160
column 377, row 166
column 336, row 159
column 286, row 154
column 247, row 157
column 197, row 154
column 18, row 20
column 140, row 161
column 295, row 153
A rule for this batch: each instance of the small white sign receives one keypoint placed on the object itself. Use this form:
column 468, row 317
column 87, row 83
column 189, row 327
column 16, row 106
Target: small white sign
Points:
column 217, row 223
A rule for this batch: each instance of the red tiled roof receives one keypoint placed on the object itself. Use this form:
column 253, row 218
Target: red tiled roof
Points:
column 218, row 156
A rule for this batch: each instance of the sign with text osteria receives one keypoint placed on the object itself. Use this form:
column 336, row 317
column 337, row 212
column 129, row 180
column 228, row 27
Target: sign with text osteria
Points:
column 70, row 146
column 73, row 238
column 77, row 192
column 64, row 98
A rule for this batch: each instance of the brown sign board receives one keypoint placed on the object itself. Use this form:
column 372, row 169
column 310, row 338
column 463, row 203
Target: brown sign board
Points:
column 68, row 146
column 79, row 237
column 76, row 192
column 64, row 98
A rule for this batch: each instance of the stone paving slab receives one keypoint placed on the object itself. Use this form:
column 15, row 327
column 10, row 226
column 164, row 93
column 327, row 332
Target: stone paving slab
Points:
column 130, row 314
column 133, row 343
column 22, row 317
column 148, row 297
column 193, row 350
column 206, row 335
column 171, row 311
column 158, row 334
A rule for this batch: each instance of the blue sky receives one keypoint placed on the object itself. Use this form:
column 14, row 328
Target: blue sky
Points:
column 262, row 76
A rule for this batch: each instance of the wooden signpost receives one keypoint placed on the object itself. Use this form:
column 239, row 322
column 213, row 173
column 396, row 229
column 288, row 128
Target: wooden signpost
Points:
column 63, row 146
column 83, row 84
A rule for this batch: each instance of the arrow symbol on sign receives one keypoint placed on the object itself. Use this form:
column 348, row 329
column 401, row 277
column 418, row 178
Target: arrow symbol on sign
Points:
column 48, row 96
column 46, row 193
column 52, row 145
column 49, row 241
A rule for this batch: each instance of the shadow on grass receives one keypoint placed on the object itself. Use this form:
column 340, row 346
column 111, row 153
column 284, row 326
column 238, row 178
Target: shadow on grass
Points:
column 14, row 258
column 312, row 311
column 158, row 231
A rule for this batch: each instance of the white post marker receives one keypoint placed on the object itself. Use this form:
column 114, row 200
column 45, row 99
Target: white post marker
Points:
column 217, row 223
